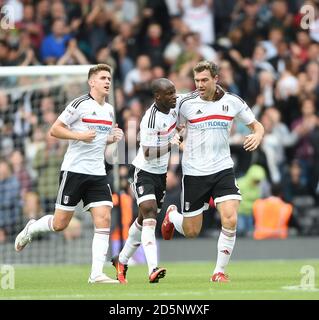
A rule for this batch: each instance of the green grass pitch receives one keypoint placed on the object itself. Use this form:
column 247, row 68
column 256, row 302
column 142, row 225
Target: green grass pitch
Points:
column 188, row 281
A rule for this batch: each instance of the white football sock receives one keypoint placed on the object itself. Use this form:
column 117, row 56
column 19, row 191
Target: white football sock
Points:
column 44, row 224
column 225, row 246
column 149, row 243
column 177, row 219
column 100, row 245
column 132, row 243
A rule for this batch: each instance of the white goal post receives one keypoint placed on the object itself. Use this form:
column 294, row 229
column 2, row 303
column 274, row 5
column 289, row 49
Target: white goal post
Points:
column 45, row 70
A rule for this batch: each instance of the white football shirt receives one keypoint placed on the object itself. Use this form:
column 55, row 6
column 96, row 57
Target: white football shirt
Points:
column 156, row 130
column 82, row 114
column 208, row 125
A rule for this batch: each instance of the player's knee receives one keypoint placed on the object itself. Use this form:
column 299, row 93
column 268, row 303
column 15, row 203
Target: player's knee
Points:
column 149, row 212
column 59, row 225
column 102, row 221
column 230, row 222
column 191, row 233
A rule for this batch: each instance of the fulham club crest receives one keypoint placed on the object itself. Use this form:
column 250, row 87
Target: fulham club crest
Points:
column 140, row 190
column 66, row 199
column 225, row 108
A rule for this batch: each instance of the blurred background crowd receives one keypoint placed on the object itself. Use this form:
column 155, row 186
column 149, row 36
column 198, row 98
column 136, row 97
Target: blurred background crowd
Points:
column 265, row 53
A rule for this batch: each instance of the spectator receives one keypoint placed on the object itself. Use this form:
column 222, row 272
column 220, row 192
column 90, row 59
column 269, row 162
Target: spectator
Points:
column 72, row 55
column 31, row 26
column 58, row 11
column 123, row 11
column 127, row 34
column 47, row 162
column 281, row 17
column 98, row 26
column 54, row 45
column 103, row 55
column 193, row 51
column 5, row 118
column 43, row 15
column 314, row 26
column 32, row 145
column 200, row 18
column 31, row 206
column 250, row 187
column 295, row 185
column 304, row 126
column 4, row 53
column 314, row 139
column 137, row 81
column 227, row 77
column 26, row 53
column 153, row 43
column 19, row 169
column 272, row 216
column 10, row 204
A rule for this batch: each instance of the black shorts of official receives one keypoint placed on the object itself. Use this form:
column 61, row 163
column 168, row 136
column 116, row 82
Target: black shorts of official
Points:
column 147, row 186
column 74, row 187
column 197, row 190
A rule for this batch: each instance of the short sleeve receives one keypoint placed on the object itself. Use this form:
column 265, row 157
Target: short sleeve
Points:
column 181, row 116
column 246, row 115
column 69, row 115
column 148, row 136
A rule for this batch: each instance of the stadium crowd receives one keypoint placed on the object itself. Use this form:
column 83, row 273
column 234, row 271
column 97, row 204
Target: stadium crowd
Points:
column 266, row 53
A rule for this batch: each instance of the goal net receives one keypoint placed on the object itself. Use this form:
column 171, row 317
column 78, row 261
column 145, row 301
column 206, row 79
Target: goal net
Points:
column 31, row 98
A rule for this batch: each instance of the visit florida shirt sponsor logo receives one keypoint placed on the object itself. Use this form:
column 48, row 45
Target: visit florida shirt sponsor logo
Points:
column 98, row 124
column 212, row 122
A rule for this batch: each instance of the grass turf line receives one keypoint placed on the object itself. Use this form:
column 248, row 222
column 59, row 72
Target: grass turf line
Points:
column 275, row 280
